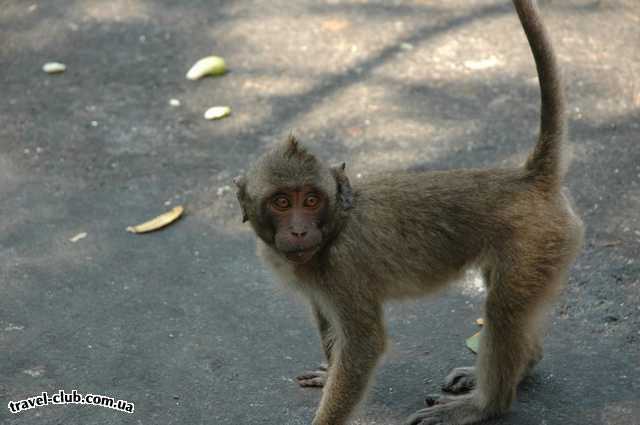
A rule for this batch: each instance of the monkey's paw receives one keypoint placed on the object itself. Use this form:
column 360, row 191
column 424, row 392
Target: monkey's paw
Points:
column 460, row 380
column 314, row 378
column 448, row 410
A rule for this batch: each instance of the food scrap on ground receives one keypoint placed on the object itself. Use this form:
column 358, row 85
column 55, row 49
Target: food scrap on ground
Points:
column 54, row 67
column 77, row 237
column 211, row 65
column 158, row 222
column 217, row 112
column 473, row 342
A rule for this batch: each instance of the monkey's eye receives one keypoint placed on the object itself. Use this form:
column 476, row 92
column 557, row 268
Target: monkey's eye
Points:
column 312, row 201
column 281, row 202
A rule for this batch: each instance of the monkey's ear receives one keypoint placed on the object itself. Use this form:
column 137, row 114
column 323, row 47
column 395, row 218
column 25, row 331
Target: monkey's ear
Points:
column 345, row 193
column 292, row 142
column 241, row 184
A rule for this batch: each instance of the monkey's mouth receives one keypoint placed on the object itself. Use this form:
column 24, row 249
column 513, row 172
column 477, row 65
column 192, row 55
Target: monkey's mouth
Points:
column 301, row 256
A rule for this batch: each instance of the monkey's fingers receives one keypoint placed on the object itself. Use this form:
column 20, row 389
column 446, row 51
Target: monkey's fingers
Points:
column 309, row 375
column 320, row 370
column 314, row 378
column 432, row 399
column 312, row 383
column 422, row 417
column 444, row 410
column 460, row 380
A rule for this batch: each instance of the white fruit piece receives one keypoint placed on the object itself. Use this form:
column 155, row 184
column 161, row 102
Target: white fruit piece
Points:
column 54, row 67
column 217, row 112
column 78, row 237
column 211, row 65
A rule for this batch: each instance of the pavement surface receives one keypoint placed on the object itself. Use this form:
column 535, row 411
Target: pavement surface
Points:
column 185, row 323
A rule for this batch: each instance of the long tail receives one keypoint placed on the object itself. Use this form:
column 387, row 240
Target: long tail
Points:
column 545, row 162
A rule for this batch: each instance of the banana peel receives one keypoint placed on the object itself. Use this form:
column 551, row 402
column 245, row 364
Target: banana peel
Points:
column 158, row 222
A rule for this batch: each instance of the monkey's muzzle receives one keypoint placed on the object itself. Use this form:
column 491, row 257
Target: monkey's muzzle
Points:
column 300, row 257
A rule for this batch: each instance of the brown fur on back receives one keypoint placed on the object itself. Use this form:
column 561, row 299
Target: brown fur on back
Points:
column 406, row 234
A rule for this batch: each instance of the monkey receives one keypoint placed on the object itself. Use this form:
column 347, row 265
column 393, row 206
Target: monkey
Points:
column 405, row 234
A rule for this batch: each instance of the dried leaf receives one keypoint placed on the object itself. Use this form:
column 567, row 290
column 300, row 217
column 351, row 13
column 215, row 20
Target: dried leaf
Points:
column 608, row 244
column 335, row 25
column 157, row 222
column 473, row 342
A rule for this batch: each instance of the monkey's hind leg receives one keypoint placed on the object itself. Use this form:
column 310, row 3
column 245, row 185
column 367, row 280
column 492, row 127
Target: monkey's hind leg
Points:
column 509, row 344
column 463, row 379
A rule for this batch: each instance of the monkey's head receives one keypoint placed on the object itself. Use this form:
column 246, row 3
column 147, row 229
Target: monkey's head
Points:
column 294, row 203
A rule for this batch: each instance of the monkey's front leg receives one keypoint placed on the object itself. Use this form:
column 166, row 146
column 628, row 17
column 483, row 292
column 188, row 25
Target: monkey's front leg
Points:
column 318, row 377
column 359, row 343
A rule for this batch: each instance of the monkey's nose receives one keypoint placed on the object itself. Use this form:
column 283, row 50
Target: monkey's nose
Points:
column 299, row 234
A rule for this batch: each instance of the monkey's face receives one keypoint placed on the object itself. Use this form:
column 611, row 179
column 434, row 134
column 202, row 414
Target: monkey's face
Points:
column 294, row 203
column 297, row 216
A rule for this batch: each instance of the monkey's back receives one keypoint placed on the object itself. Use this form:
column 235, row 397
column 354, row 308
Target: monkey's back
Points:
column 436, row 224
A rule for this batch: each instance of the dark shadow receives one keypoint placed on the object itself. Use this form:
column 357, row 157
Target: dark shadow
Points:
column 286, row 109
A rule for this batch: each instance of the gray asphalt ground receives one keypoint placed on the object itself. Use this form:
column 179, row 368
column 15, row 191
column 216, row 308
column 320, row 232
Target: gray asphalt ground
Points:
column 186, row 323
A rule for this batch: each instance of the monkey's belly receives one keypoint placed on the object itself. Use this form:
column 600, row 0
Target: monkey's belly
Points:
column 424, row 284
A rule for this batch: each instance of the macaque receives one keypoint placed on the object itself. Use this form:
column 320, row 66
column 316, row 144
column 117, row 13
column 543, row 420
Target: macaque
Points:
column 348, row 248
